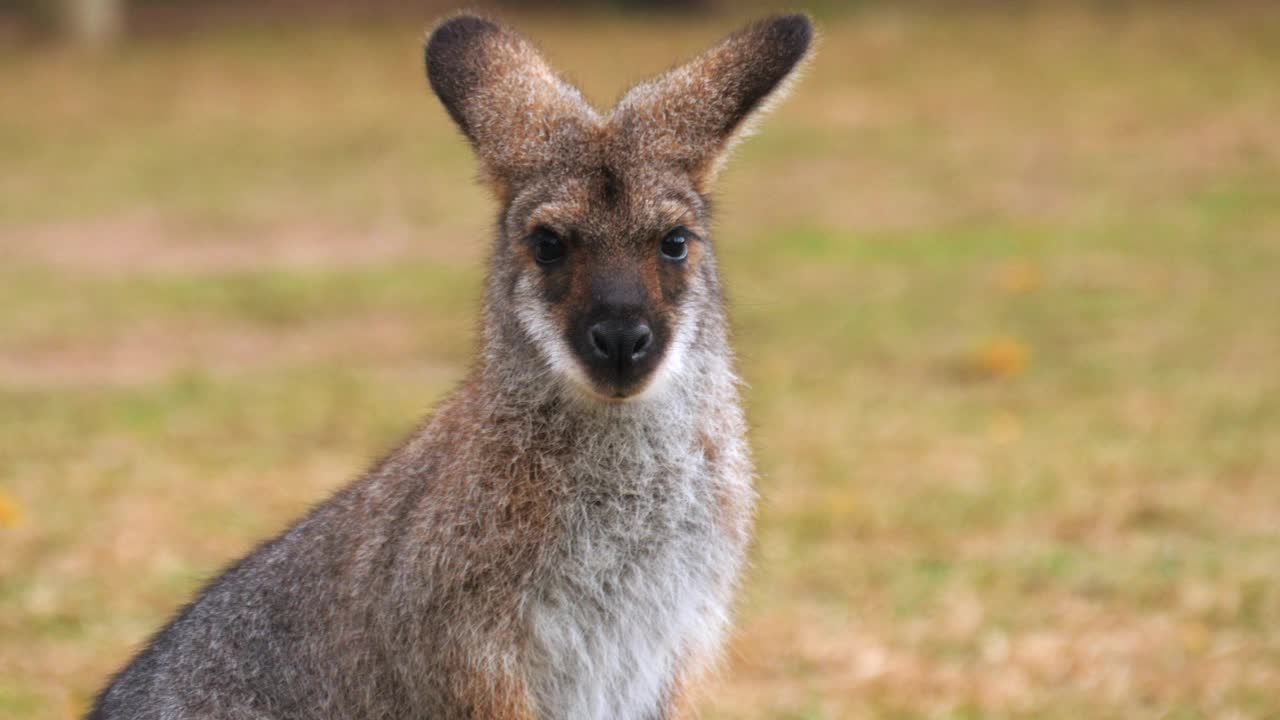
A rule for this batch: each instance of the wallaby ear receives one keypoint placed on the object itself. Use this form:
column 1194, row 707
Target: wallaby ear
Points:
column 517, row 113
column 693, row 114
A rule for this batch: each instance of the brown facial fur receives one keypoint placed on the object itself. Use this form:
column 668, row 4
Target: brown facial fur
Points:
column 612, row 222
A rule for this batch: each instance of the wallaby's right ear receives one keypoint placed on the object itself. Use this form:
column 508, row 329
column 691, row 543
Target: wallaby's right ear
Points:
column 517, row 113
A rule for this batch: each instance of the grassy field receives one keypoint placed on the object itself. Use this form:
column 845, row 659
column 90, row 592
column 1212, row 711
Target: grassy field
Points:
column 1006, row 288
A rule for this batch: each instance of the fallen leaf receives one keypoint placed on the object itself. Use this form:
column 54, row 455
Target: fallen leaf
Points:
column 1002, row 357
column 10, row 512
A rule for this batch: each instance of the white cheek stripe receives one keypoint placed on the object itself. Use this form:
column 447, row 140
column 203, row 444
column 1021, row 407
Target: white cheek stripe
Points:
column 529, row 310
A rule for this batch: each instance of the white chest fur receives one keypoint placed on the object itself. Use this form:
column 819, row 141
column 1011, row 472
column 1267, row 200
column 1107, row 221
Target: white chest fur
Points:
column 640, row 586
column 611, row 649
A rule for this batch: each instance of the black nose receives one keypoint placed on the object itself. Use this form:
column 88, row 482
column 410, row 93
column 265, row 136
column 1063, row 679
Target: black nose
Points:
column 620, row 344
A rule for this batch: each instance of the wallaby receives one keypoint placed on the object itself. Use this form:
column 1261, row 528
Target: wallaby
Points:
column 563, row 537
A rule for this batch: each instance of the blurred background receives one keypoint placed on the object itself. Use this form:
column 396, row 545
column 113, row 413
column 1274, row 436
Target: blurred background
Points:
column 1006, row 285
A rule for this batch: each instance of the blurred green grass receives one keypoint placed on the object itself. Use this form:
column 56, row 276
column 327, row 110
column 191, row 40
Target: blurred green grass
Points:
column 1004, row 285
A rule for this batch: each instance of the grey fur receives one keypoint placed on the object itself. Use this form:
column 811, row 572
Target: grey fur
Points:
column 532, row 551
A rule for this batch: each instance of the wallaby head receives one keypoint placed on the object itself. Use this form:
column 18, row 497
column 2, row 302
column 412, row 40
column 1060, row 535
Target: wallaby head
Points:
column 602, row 266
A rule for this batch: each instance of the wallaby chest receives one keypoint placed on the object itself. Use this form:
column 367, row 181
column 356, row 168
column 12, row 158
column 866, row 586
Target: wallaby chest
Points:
column 640, row 576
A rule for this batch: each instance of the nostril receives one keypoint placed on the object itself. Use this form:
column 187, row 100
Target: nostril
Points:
column 644, row 338
column 600, row 341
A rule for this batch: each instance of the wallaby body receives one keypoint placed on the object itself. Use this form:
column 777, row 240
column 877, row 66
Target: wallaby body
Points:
column 562, row 538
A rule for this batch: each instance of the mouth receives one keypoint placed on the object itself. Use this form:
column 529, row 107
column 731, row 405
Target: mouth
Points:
column 616, row 390
column 621, row 397
column 614, row 394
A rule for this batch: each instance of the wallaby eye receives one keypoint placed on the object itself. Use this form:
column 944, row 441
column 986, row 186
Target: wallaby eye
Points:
column 675, row 246
column 548, row 248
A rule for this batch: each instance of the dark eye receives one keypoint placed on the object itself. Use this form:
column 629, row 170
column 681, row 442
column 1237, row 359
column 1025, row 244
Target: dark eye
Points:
column 548, row 248
column 675, row 246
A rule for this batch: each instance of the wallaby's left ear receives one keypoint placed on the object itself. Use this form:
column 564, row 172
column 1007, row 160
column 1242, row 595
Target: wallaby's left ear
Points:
column 693, row 114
